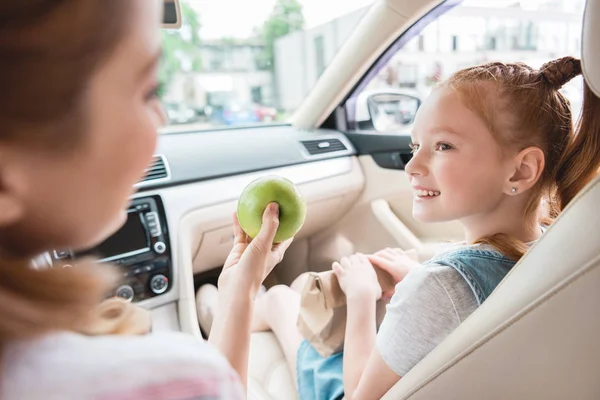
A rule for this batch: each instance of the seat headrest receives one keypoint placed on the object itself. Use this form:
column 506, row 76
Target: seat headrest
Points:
column 590, row 45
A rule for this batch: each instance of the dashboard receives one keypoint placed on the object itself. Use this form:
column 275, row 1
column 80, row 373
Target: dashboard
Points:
column 140, row 248
column 179, row 220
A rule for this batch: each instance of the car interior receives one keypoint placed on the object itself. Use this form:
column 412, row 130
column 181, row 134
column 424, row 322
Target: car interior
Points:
column 536, row 337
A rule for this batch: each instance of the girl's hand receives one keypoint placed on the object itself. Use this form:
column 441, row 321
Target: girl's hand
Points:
column 251, row 260
column 357, row 277
column 393, row 261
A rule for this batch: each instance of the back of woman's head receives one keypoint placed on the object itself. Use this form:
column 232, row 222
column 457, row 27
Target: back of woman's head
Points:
column 49, row 51
column 523, row 107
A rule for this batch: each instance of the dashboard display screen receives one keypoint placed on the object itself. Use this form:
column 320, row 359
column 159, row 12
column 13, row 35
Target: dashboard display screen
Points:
column 129, row 240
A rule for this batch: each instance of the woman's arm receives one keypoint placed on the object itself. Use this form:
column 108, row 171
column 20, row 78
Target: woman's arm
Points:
column 230, row 332
column 248, row 264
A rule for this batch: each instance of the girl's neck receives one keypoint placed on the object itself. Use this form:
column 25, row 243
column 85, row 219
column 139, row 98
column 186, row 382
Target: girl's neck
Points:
column 524, row 229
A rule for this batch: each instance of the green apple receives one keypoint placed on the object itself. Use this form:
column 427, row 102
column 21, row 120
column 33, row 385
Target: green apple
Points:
column 268, row 189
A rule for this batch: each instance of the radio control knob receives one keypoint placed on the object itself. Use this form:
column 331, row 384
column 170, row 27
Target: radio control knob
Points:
column 159, row 284
column 160, row 247
column 125, row 292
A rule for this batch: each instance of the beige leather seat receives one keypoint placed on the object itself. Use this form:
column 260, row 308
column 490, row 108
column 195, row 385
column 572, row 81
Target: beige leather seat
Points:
column 268, row 375
column 536, row 337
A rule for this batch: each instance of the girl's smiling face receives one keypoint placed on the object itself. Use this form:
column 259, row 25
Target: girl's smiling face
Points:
column 458, row 170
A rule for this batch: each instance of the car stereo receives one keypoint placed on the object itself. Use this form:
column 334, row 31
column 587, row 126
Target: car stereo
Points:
column 140, row 247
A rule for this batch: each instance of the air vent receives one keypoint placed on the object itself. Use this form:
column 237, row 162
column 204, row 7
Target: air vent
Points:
column 316, row 147
column 158, row 169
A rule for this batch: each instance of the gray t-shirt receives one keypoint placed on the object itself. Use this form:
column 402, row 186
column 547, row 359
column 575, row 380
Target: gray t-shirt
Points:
column 427, row 306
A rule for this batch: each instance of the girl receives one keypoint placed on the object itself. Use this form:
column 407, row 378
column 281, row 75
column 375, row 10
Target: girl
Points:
column 494, row 148
column 79, row 120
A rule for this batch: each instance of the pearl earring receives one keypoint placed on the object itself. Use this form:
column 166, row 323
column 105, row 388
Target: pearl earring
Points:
column 513, row 190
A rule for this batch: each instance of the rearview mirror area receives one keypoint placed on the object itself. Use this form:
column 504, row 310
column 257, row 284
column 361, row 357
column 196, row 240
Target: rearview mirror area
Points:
column 387, row 110
column 171, row 14
column 392, row 111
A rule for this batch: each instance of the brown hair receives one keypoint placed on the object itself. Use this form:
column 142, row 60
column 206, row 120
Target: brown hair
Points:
column 523, row 107
column 49, row 51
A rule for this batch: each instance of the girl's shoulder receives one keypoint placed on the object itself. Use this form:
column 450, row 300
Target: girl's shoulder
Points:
column 433, row 284
column 481, row 266
column 69, row 365
column 452, row 249
column 428, row 304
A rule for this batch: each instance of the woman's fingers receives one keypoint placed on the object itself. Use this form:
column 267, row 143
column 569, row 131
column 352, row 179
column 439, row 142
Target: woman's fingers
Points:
column 280, row 249
column 239, row 235
column 283, row 246
column 268, row 229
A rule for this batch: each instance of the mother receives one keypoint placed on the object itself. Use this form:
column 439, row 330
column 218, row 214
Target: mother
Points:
column 79, row 117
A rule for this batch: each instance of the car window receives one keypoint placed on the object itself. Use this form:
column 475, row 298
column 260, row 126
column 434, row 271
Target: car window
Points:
column 471, row 33
column 244, row 63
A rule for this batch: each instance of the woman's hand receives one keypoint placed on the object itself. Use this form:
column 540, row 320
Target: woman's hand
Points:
column 393, row 261
column 357, row 277
column 248, row 264
column 251, row 260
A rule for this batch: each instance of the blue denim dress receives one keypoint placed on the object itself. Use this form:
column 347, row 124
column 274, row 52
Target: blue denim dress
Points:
column 321, row 378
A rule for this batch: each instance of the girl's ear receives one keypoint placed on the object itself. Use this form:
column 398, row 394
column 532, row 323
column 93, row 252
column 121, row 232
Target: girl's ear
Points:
column 528, row 167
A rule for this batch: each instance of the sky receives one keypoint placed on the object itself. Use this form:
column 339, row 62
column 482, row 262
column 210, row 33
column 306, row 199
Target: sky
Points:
column 238, row 18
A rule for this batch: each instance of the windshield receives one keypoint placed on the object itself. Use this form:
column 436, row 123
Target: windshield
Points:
column 239, row 63
column 249, row 63
column 470, row 33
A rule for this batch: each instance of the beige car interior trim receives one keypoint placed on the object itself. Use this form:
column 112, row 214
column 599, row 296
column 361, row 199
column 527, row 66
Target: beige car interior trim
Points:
column 377, row 30
column 270, row 377
column 200, row 215
column 326, row 198
column 164, row 318
column 404, row 237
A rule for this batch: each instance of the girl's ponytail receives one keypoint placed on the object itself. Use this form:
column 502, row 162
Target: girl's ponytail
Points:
column 581, row 159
